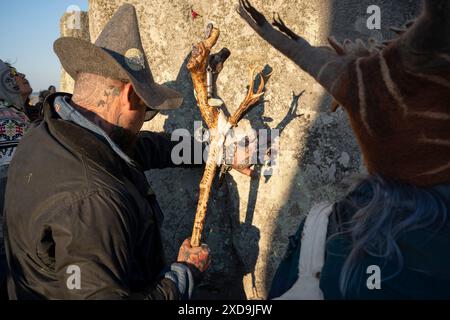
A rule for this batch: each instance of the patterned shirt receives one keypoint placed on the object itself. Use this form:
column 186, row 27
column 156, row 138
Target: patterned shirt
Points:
column 13, row 124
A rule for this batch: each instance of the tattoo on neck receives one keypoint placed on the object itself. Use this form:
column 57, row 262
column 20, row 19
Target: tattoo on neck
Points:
column 111, row 91
column 115, row 91
column 96, row 91
column 101, row 103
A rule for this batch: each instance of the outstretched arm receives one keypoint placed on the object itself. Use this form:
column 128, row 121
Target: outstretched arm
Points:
column 322, row 63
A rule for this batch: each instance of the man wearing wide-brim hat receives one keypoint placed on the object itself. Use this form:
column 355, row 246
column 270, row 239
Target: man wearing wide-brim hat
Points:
column 81, row 220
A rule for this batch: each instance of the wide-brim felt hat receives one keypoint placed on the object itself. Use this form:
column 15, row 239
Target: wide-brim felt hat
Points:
column 118, row 54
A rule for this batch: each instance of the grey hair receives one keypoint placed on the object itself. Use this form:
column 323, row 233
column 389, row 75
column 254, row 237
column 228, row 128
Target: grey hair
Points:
column 391, row 210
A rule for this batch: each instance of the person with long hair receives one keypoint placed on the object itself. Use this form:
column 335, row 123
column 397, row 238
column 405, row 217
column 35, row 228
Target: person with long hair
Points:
column 382, row 231
column 389, row 237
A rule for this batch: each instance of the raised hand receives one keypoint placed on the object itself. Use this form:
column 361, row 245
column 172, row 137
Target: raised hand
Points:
column 247, row 11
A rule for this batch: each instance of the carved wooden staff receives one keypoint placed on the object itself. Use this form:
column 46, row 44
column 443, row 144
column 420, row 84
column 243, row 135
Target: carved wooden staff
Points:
column 216, row 121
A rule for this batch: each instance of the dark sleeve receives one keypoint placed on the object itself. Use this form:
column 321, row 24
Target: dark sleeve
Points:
column 32, row 112
column 287, row 272
column 164, row 289
column 157, row 151
column 94, row 243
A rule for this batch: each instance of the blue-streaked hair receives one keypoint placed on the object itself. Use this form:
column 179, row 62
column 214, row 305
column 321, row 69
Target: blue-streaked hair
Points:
column 391, row 210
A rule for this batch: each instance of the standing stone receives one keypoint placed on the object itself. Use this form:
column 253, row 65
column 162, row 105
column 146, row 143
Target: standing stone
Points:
column 73, row 24
column 249, row 220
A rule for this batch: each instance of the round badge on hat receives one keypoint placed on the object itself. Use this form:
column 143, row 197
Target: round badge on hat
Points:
column 118, row 54
column 134, row 59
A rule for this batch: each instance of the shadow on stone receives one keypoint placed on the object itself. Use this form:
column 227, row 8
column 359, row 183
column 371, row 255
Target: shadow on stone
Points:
column 246, row 236
column 223, row 280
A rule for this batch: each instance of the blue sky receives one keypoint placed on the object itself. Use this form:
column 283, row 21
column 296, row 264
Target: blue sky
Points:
column 27, row 31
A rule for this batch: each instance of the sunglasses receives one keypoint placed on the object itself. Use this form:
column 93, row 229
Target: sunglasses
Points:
column 150, row 114
column 13, row 72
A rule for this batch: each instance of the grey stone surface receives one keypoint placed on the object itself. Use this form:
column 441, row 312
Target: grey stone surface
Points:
column 249, row 220
column 73, row 24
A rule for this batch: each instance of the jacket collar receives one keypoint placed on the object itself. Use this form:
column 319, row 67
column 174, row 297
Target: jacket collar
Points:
column 69, row 113
column 78, row 140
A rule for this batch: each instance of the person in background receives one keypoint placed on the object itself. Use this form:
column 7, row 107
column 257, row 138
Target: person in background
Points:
column 32, row 111
column 14, row 93
column 40, row 104
column 51, row 90
column 389, row 237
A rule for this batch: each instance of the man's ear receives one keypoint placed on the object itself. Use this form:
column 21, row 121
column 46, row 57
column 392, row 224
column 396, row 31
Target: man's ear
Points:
column 126, row 96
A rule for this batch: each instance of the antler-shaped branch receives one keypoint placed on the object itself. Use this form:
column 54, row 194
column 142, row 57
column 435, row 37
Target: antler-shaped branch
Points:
column 251, row 100
column 214, row 120
column 197, row 66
